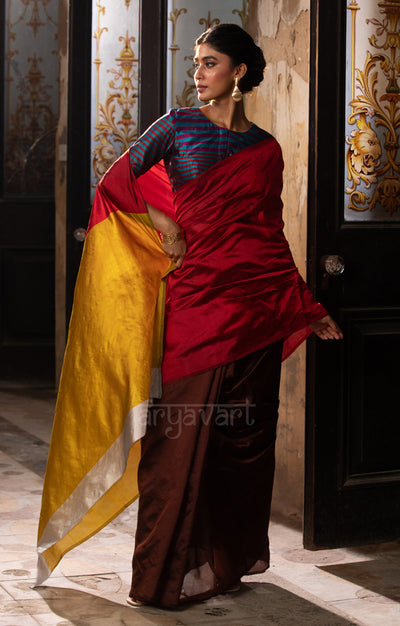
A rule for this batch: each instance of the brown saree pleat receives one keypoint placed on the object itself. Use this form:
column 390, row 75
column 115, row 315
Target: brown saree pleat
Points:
column 205, row 481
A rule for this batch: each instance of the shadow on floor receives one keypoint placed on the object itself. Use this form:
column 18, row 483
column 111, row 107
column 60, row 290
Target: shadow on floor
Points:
column 27, row 449
column 378, row 577
column 257, row 604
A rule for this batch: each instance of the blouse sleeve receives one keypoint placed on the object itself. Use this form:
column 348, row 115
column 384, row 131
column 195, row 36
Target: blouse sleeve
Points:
column 155, row 144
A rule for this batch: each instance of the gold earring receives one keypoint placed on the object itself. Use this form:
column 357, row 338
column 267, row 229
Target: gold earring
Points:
column 237, row 95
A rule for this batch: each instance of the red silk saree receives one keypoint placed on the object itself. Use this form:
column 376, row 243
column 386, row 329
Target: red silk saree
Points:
column 237, row 291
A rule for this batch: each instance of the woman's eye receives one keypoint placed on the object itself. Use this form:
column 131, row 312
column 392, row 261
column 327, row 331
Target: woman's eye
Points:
column 208, row 64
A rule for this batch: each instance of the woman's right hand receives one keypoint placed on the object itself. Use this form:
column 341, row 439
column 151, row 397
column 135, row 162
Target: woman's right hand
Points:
column 175, row 251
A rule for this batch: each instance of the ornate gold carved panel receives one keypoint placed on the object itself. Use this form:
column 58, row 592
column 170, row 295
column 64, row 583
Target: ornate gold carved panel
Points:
column 372, row 191
column 30, row 96
column 114, row 81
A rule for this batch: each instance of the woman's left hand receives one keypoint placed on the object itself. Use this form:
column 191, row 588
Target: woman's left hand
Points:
column 326, row 328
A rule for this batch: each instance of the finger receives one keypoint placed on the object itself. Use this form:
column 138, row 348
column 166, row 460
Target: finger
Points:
column 329, row 332
column 335, row 331
column 178, row 260
column 334, row 334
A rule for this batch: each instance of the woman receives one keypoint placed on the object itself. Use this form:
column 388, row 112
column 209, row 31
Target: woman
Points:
column 235, row 306
column 205, row 477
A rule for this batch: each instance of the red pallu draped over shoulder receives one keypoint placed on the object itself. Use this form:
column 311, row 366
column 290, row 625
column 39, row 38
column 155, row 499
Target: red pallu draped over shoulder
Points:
column 238, row 289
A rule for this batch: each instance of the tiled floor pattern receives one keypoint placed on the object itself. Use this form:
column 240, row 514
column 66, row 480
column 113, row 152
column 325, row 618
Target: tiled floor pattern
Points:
column 324, row 588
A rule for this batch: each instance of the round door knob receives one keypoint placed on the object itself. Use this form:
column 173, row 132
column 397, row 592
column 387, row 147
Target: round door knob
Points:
column 333, row 264
column 80, row 234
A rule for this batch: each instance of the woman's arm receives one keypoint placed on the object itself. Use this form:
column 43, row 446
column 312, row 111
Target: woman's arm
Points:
column 169, row 230
column 154, row 144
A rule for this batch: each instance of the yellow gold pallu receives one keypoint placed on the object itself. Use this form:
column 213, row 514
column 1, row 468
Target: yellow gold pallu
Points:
column 113, row 356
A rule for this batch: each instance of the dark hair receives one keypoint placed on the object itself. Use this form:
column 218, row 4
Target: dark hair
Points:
column 232, row 40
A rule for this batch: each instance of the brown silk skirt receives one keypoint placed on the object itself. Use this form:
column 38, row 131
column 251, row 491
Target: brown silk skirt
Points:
column 205, row 481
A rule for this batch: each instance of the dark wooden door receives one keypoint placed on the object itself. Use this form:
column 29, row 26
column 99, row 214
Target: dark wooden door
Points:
column 353, row 412
column 29, row 102
column 78, row 139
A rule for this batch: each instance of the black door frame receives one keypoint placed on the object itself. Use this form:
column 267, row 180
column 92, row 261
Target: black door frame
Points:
column 324, row 126
column 152, row 61
column 78, row 137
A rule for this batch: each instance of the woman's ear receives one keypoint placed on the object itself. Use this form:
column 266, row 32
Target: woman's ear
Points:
column 240, row 70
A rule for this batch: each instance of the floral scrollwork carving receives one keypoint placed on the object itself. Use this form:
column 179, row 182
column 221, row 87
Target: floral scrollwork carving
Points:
column 363, row 156
column 242, row 14
column 373, row 145
column 122, row 97
column 31, row 135
column 387, row 193
column 208, row 22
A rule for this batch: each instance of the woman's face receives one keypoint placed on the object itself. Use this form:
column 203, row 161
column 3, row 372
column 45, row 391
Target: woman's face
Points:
column 214, row 73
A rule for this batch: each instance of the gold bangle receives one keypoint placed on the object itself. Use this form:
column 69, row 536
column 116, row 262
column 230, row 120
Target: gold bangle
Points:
column 170, row 238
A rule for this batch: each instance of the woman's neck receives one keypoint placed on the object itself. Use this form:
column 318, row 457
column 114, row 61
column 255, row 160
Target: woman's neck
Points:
column 227, row 114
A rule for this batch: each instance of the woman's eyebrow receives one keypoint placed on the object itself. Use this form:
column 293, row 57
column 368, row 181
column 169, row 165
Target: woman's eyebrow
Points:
column 205, row 58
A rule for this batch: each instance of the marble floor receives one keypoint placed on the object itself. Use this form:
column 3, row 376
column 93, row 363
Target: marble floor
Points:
column 89, row 587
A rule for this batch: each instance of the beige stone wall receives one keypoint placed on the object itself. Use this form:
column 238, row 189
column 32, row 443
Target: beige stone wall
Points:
column 280, row 105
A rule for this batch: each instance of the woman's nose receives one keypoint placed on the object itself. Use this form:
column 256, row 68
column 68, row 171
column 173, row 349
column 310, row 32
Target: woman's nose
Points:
column 198, row 72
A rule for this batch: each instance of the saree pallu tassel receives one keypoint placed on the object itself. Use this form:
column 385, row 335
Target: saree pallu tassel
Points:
column 114, row 349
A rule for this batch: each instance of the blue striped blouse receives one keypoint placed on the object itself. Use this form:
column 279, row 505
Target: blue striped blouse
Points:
column 189, row 144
